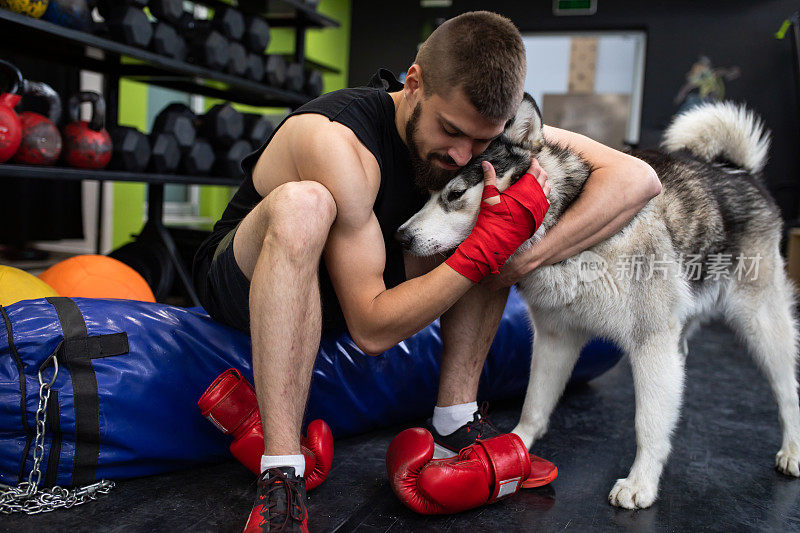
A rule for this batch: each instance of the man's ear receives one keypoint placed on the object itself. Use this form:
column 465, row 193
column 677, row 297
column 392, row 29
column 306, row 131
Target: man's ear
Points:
column 412, row 86
column 526, row 126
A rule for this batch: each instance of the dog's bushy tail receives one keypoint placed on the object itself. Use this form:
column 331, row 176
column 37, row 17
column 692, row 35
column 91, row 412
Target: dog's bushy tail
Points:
column 721, row 132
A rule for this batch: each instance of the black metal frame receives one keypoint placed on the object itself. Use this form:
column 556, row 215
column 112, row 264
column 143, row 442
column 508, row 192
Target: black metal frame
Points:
column 55, row 43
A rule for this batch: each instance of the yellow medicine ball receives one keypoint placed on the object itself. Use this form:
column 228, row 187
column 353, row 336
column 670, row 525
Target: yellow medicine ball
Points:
column 16, row 285
column 32, row 8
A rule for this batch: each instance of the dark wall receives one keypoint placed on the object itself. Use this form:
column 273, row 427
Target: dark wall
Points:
column 678, row 32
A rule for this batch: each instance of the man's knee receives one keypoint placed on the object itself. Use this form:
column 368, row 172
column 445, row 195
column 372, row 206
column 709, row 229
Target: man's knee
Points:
column 301, row 214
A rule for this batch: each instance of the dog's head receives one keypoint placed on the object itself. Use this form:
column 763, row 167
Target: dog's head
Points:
column 449, row 215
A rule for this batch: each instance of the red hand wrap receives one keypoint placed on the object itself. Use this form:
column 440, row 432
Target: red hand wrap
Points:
column 500, row 228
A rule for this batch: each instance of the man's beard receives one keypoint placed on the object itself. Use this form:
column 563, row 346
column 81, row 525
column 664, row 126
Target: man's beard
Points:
column 426, row 176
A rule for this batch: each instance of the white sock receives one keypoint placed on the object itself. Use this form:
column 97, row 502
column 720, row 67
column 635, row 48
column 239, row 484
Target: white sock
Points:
column 296, row 461
column 448, row 419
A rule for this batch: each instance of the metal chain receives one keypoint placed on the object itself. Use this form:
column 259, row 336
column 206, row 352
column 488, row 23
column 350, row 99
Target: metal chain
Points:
column 27, row 497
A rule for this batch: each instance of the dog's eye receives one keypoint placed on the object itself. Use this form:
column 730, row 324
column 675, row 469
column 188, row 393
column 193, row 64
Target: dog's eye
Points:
column 452, row 196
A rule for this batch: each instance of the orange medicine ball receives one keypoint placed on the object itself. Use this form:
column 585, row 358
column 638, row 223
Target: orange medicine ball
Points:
column 97, row 276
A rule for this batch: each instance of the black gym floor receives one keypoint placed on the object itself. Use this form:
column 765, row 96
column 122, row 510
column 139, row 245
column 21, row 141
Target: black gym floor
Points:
column 720, row 476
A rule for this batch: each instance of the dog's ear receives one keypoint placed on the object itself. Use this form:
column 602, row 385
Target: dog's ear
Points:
column 526, row 126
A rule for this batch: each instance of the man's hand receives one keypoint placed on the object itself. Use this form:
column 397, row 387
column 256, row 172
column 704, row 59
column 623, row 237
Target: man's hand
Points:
column 517, row 266
column 506, row 220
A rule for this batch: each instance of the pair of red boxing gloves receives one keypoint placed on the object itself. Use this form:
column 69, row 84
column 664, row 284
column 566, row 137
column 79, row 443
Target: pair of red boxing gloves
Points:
column 481, row 473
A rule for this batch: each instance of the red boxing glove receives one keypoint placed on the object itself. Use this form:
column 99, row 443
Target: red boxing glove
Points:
column 230, row 403
column 481, row 473
column 500, row 228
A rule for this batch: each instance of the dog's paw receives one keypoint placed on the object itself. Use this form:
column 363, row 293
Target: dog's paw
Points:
column 632, row 494
column 787, row 460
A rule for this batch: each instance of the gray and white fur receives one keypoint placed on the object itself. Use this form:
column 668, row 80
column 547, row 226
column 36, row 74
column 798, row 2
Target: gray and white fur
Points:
column 713, row 206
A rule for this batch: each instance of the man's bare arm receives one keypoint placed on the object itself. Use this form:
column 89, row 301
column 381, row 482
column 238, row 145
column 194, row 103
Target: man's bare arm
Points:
column 355, row 252
column 618, row 187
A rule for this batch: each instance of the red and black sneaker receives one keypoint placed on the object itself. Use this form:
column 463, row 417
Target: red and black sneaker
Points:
column 280, row 502
column 449, row 445
column 542, row 471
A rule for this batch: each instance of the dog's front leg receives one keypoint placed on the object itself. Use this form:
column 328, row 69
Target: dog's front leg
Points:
column 554, row 355
column 658, row 375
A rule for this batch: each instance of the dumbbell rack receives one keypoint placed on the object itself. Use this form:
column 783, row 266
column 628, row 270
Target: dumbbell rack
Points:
column 116, row 60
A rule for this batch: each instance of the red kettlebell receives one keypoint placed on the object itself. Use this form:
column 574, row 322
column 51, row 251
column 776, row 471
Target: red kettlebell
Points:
column 41, row 140
column 10, row 127
column 87, row 144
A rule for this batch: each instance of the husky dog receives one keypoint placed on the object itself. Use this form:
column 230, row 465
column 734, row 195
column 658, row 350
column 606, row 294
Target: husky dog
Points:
column 707, row 245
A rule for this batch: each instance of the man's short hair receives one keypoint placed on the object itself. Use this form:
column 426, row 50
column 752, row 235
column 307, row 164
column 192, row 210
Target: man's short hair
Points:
column 482, row 52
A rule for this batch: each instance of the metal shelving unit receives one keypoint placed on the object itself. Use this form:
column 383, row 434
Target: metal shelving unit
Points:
column 117, row 60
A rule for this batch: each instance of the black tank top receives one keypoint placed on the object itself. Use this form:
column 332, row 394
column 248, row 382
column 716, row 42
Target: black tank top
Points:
column 369, row 112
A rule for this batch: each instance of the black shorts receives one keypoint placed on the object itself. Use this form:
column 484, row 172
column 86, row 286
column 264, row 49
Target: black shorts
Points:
column 224, row 290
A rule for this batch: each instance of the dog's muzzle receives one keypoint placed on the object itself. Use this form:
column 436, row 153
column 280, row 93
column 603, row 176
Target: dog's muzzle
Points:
column 404, row 237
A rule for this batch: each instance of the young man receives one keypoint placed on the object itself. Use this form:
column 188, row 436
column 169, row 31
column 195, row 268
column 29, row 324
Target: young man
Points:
column 333, row 183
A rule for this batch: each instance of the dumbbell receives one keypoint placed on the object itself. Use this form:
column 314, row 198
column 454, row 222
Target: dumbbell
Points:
column 257, row 128
column 275, row 70
column 229, row 22
column 131, row 149
column 128, row 24
column 222, row 125
column 255, row 67
column 165, row 154
column 166, row 41
column 237, row 60
column 167, row 10
column 103, row 6
column 295, row 77
column 178, row 120
column 313, row 85
column 229, row 159
column 256, row 34
column 206, row 45
column 199, row 160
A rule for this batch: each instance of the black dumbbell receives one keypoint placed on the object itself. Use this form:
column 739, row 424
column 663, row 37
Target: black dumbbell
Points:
column 229, row 22
column 131, row 150
column 313, row 86
column 255, row 67
column 128, row 24
column 257, row 128
column 103, row 6
column 229, row 160
column 237, row 59
column 206, row 45
column 165, row 154
column 199, row 160
column 275, row 70
column 167, row 10
column 295, row 77
column 179, row 120
column 222, row 125
column 256, row 34
column 166, row 41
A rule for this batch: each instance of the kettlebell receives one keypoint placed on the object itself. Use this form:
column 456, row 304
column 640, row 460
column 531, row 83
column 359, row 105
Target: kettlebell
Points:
column 10, row 127
column 41, row 140
column 32, row 8
column 87, row 144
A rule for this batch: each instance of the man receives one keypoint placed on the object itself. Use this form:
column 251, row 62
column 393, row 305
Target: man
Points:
column 334, row 182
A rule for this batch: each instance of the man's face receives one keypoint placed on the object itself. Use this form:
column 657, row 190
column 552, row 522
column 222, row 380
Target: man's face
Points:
column 443, row 133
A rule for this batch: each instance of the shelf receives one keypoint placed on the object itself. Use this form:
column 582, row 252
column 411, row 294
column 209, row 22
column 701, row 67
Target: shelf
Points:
column 282, row 13
column 65, row 173
column 67, row 45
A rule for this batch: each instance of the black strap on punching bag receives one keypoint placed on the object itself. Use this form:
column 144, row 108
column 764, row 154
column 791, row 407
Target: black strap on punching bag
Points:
column 76, row 352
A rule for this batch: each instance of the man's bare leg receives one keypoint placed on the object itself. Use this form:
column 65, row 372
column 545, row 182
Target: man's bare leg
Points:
column 278, row 246
column 468, row 329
